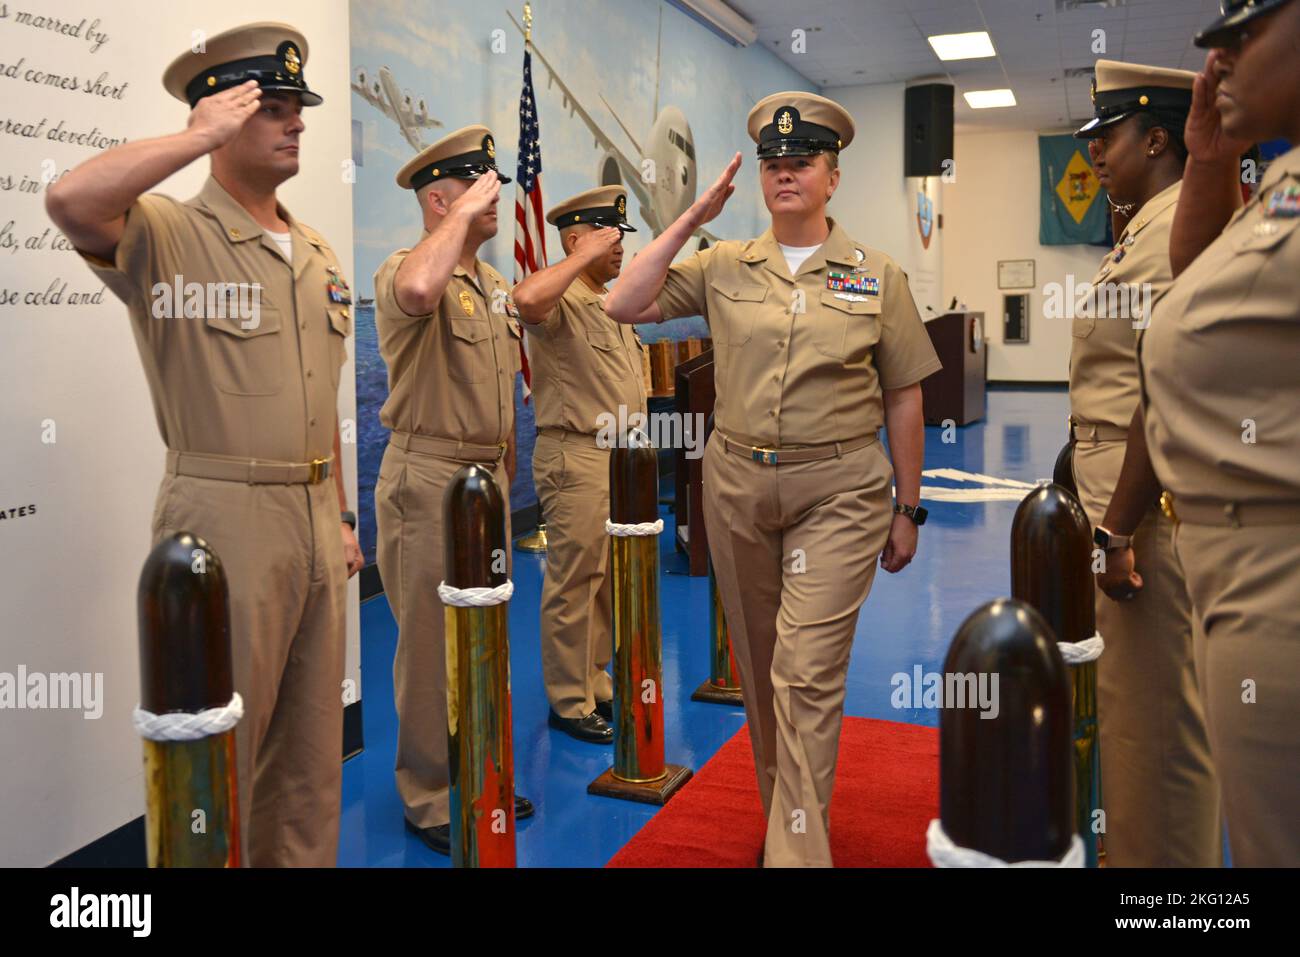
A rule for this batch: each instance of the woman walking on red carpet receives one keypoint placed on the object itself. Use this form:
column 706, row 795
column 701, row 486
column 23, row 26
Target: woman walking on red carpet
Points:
column 817, row 344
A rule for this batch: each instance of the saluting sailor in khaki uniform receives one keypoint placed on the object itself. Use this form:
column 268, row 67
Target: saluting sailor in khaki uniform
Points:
column 1160, row 793
column 1219, row 400
column 245, row 395
column 585, row 367
column 450, row 338
column 817, row 344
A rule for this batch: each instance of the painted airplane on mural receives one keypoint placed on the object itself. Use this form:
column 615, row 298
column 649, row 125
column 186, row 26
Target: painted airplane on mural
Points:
column 411, row 115
column 668, row 153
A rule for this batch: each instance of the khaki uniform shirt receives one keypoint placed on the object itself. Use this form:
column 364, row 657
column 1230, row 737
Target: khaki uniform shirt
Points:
column 584, row 364
column 451, row 373
column 1223, row 348
column 1103, row 358
column 259, row 381
column 797, row 362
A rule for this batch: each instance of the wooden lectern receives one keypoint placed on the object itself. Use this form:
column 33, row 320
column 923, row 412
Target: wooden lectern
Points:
column 694, row 395
column 956, row 391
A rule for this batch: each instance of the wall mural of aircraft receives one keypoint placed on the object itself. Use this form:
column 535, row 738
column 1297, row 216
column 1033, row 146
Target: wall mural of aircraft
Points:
column 669, row 152
column 411, row 115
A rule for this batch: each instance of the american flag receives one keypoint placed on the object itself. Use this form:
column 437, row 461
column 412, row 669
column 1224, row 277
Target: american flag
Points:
column 530, row 224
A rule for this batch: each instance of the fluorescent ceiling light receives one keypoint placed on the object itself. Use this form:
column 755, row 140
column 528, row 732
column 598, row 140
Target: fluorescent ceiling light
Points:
column 962, row 46
column 989, row 99
column 721, row 18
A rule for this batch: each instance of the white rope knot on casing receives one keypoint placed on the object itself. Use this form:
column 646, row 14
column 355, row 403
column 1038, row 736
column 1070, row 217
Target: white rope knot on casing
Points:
column 634, row 530
column 1082, row 652
column 475, row 597
column 188, row 725
column 944, row 853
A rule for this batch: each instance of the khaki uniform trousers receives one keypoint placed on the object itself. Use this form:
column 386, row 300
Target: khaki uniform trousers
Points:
column 408, row 514
column 1245, row 590
column 572, row 479
column 1159, row 787
column 282, row 550
column 794, row 550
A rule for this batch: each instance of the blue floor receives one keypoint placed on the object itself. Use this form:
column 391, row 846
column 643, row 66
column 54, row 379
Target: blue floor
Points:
column 908, row 620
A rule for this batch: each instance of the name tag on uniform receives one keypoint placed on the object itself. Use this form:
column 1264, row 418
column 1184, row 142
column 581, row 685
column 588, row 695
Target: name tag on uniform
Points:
column 844, row 282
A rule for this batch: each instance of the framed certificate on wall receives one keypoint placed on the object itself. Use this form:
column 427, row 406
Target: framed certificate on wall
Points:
column 1015, row 274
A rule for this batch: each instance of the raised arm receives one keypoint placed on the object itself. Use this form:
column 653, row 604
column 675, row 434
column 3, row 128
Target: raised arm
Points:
column 90, row 203
column 1211, row 189
column 423, row 276
column 633, row 296
column 539, row 293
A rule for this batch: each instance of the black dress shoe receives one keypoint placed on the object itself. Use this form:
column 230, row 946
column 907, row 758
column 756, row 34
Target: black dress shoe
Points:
column 437, row 838
column 605, row 709
column 592, row 729
column 523, row 808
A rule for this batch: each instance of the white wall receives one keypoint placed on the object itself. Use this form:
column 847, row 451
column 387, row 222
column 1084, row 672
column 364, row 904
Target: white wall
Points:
column 69, row 571
column 875, row 202
column 991, row 213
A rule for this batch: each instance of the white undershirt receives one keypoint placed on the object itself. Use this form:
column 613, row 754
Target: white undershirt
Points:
column 285, row 243
column 796, row 256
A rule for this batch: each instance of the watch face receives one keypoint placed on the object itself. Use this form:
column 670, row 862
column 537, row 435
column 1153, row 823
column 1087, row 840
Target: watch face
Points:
column 1100, row 538
column 921, row 513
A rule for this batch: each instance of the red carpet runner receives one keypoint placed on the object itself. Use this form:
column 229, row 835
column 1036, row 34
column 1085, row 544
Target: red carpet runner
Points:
column 886, row 793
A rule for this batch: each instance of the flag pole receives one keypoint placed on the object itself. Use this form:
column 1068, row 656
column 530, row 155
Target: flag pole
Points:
column 534, row 541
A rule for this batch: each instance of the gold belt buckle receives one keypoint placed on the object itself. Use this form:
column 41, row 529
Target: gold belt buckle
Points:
column 1167, row 505
column 766, row 456
column 320, row 471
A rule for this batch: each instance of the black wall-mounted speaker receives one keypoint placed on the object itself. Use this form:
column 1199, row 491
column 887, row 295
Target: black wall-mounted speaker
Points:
column 927, row 128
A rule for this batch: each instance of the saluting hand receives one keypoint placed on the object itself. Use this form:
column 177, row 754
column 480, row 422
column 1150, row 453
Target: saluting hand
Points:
column 479, row 198
column 597, row 243
column 220, row 117
column 710, row 204
column 1204, row 135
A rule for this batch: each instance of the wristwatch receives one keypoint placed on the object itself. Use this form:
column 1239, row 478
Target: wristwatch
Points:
column 916, row 513
column 349, row 518
column 1108, row 541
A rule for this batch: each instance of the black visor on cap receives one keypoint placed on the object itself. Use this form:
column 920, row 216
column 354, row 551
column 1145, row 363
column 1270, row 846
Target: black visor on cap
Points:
column 281, row 72
column 470, row 165
column 790, row 135
column 595, row 216
column 1233, row 15
column 1115, row 105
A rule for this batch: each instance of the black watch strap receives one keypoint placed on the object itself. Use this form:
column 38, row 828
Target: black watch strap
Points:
column 916, row 513
column 349, row 518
